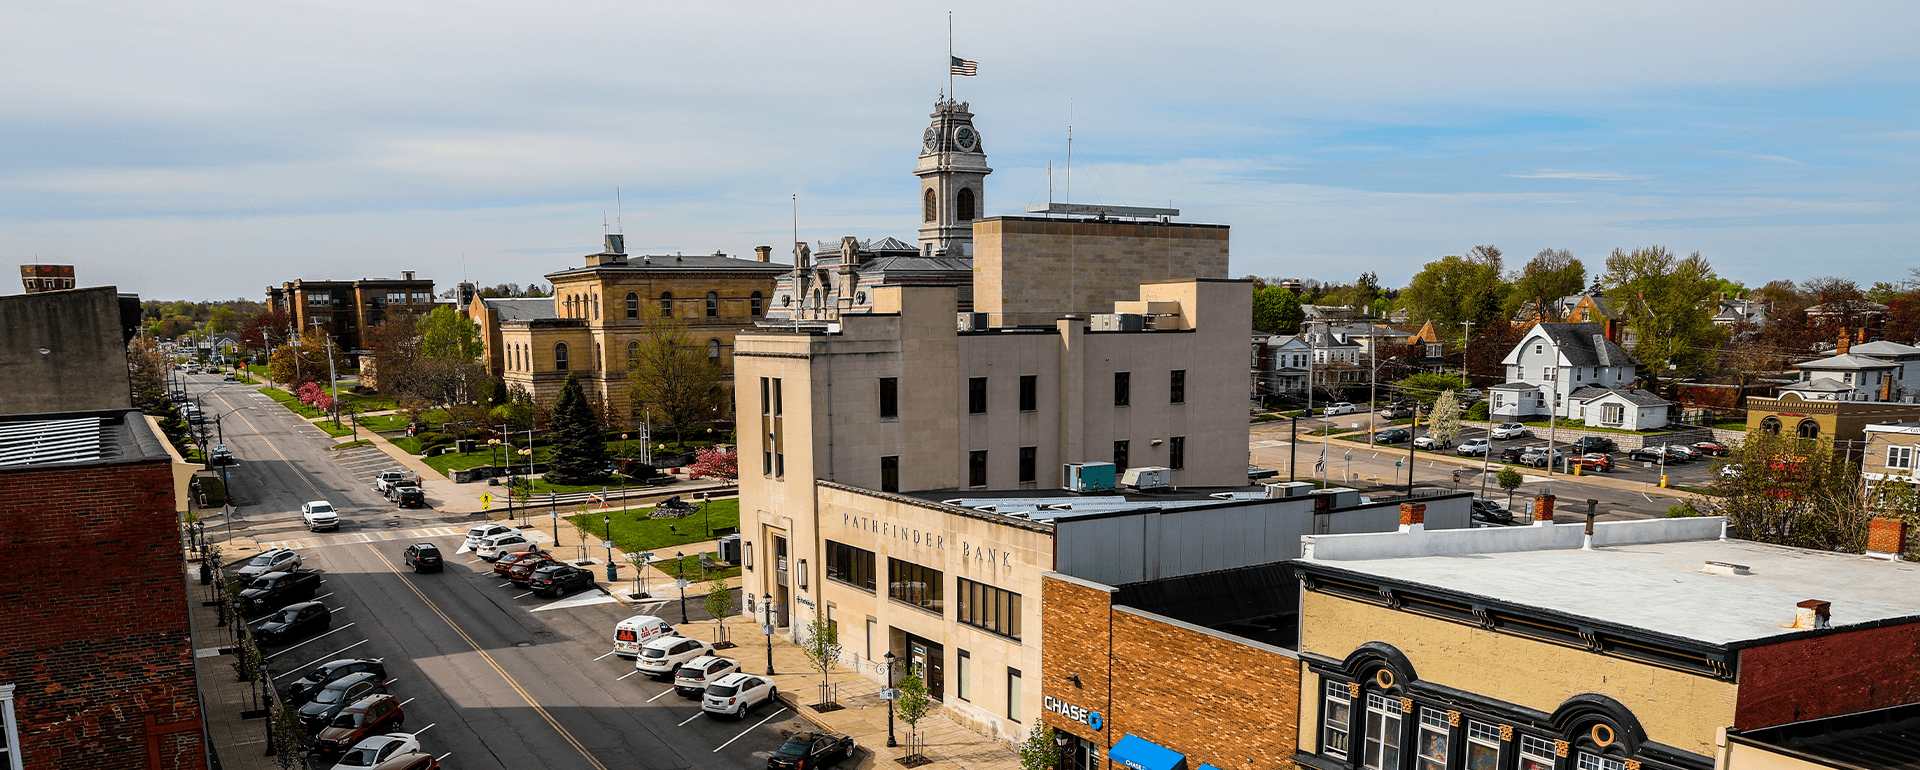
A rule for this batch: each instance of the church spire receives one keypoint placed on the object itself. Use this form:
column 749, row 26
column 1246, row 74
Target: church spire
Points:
column 953, row 171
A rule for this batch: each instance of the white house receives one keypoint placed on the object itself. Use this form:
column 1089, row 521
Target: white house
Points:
column 1906, row 382
column 1574, row 371
column 1848, row 377
column 1284, row 364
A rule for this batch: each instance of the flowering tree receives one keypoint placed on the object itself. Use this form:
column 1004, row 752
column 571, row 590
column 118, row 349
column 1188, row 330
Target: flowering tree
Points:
column 715, row 463
column 315, row 396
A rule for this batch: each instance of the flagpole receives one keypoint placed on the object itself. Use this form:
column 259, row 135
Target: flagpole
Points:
column 950, row 56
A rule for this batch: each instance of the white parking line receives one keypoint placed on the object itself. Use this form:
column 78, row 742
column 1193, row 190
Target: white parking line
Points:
column 656, row 697
column 424, row 729
column 696, row 715
column 743, row 733
column 310, row 641
column 443, row 757
column 631, row 673
column 327, row 657
column 508, row 583
column 403, row 704
column 525, row 595
column 610, row 652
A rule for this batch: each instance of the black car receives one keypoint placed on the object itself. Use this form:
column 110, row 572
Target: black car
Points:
column 559, row 579
column 304, row 688
column 328, row 702
column 221, row 455
column 408, row 496
column 1592, row 444
column 275, row 590
column 423, row 557
column 293, row 622
column 1512, row 454
column 809, row 750
column 1393, row 436
column 1656, row 454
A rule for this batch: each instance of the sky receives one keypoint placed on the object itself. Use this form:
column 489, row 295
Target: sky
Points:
column 206, row 150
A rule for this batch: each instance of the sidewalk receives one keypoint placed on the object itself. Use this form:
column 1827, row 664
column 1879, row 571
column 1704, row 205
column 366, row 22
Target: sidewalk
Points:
column 240, row 742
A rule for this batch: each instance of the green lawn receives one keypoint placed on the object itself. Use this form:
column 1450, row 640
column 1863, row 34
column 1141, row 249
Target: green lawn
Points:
column 690, row 567
column 633, row 532
column 446, row 464
column 351, row 444
column 542, row 486
column 336, row 431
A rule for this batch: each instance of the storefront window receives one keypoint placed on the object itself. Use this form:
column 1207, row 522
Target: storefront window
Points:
column 990, row 608
column 850, row 565
column 1383, row 734
column 1597, row 762
column 1336, row 718
column 915, row 585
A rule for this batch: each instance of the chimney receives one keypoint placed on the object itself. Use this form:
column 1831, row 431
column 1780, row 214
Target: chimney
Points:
column 616, row 243
column 1886, row 538
column 1607, row 328
column 1846, row 341
column 1543, row 509
column 406, row 275
column 1886, row 388
column 1413, row 515
column 1813, row 613
column 1860, row 336
column 763, row 253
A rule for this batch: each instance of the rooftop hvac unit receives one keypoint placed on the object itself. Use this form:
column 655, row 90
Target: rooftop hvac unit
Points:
column 1089, row 477
column 972, row 322
column 1288, row 489
column 1338, row 497
column 1119, row 322
column 1148, row 477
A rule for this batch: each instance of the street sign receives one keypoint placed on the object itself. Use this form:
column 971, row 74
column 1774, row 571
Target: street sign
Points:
column 679, row 584
column 766, row 628
column 607, row 544
column 889, row 693
column 646, row 556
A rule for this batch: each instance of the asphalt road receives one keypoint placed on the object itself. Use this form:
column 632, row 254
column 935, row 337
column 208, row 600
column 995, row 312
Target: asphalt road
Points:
column 488, row 678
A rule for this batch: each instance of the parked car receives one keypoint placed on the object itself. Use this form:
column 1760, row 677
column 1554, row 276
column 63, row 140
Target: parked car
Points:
column 1509, row 430
column 482, row 532
column 1429, row 442
column 1472, row 394
column 372, row 752
column 503, row 566
column 1474, row 447
column 1710, row 448
column 337, row 695
column 663, row 656
column 1392, row 436
column 1589, row 444
column 1340, row 408
column 631, row 634
column 221, row 455
column 275, row 590
column 408, row 496
column 1655, row 454
column 292, row 622
column 1396, row 412
column 369, row 716
column 304, row 688
column 276, row 560
column 423, row 557
column 1490, row 513
column 1537, row 456
column 691, row 678
column 559, row 580
column 390, row 479
column 1686, row 453
column 805, row 751
column 319, row 515
column 1595, row 461
column 230, row 377
column 412, row 760
column 736, row 694
column 502, row 544
column 1512, row 454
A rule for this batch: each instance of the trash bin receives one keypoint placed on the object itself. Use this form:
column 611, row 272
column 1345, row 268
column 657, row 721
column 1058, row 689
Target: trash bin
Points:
column 613, row 572
column 730, row 549
column 466, row 445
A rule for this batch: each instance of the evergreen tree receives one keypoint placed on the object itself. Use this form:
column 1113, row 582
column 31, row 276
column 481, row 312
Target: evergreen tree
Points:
column 579, row 445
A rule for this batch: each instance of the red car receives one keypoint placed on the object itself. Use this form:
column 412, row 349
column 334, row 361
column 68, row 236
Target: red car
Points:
column 1713, row 448
column 1595, row 461
column 520, row 572
column 373, row 716
column 506, row 562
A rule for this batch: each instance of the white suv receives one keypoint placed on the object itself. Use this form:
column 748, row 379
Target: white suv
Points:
column 736, row 694
column 692, row 677
column 496, row 546
column 661, row 657
column 1507, row 430
column 319, row 515
column 482, row 532
column 1340, row 408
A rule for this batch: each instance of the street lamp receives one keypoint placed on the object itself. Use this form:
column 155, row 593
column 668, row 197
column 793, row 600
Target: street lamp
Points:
column 766, row 602
column 613, row 570
column 890, row 740
column 680, row 580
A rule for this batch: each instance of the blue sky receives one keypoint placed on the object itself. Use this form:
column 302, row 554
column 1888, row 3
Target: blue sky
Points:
column 206, row 150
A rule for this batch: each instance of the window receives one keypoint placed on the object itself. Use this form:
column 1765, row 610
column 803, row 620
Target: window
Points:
column 1029, row 467
column 1483, row 746
column 1122, row 388
column 713, row 304
column 964, row 679
column 870, row 624
column 560, row 356
column 1029, row 392
column 1536, row 753
column 1771, row 425
column 598, row 360
column 1119, row 456
column 766, row 398
column 1613, row 414
column 1589, row 761
column 1382, row 749
column 1900, row 457
column 633, row 305
column 976, row 395
column 890, row 473
column 984, row 606
column 850, row 565
column 319, row 300
column 916, row 585
column 929, row 207
column 1177, row 452
column 977, row 468
column 1433, row 740
column 1809, row 429
column 964, row 207
column 666, row 304
column 1336, row 719
column 1013, row 695
column 755, row 304
column 889, row 398
column 777, row 400
column 633, row 352
column 1177, row 387
column 713, row 351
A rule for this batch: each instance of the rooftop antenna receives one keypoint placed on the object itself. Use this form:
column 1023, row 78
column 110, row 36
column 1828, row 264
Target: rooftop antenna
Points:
column 618, row 211
column 1069, row 149
column 1049, row 182
column 603, row 222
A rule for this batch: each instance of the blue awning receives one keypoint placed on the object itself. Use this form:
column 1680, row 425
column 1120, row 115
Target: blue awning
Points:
column 1141, row 754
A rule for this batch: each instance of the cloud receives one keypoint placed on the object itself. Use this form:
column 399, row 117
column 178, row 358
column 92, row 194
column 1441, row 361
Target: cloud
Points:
column 1592, row 176
column 1802, row 219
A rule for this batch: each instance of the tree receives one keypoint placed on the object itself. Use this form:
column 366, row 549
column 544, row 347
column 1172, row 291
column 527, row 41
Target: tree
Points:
column 171, row 327
column 1509, row 479
column 303, row 361
column 579, row 445
column 719, row 604
column 519, row 410
column 1277, row 311
column 1793, row 491
column 822, row 650
column 147, row 368
column 1427, row 387
column 715, row 463
column 265, row 329
column 1550, row 275
column 1664, row 300
column 223, row 320
column 1489, row 347
column 670, row 376
column 395, row 350
column 448, row 333
column 1444, row 424
column 911, row 705
column 1038, row 751
column 1455, row 290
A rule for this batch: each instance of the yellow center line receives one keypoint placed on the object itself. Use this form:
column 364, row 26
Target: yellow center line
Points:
column 276, row 450
column 511, row 682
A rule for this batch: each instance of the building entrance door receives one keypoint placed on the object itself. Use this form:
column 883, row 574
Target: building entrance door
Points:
column 929, row 660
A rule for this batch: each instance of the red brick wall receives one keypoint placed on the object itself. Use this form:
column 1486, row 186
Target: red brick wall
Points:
column 1213, row 699
column 1829, row 675
column 93, row 621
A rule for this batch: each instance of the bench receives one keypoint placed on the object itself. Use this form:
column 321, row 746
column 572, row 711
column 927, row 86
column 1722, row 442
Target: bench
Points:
column 708, row 565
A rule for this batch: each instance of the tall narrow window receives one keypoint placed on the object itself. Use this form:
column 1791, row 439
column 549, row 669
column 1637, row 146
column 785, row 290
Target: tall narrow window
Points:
column 1013, row 694
column 1120, row 456
column 633, row 352
column 713, row 304
column 889, row 398
column 977, row 468
column 964, row 680
column 560, row 356
column 1029, row 469
column 633, row 305
column 1177, row 387
column 1434, row 732
column 1029, row 392
column 890, row 473
column 666, row 304
column 1536, row 753
column 1336, row 720
column 1122, row 388
column 976, row 395
column 1382, row 749
column 713, row 351
column 755, row 304
column 1483, row 746
column 964, row 205
column 778, row 402
column 929, row 206
column 1177, row 452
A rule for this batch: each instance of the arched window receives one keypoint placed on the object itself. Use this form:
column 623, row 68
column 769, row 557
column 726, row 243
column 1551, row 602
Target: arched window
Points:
column 964, row 206
column 929, row 207
column 713, row 304
column 1771, row 425
column 666, row 304
column 1809, row 429
column 713, row 351
column 596, row 357
column 633, row 351
column 753, row 304
column 633, row 305
column 596, row 307
column 560, row 356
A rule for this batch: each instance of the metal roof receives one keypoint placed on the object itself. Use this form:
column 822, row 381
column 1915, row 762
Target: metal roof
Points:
column 67, row 440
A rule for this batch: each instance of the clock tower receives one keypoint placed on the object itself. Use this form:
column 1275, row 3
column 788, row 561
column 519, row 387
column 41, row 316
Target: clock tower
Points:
column 953, row 172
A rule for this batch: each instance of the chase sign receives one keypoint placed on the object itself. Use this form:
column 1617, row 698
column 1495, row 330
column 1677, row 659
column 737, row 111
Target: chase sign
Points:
column 1083, row 716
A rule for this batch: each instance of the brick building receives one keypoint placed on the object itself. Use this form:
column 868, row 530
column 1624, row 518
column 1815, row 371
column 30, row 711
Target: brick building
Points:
column 96, row 660
column 346, row 310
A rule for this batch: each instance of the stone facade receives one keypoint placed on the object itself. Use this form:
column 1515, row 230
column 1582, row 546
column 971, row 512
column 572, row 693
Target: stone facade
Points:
column 1841, row 421
column 63, row 351
column 1033, row 270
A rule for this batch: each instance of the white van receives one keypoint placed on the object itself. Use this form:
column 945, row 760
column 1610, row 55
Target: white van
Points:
column 630, row 634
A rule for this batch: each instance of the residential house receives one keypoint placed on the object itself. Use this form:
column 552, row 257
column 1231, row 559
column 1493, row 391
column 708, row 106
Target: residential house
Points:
column 1738, row 311
column 1891, row 452
column 1281, row 365
column 1575, row 371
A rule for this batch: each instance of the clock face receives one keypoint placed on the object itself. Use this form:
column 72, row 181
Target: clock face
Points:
column 966, row 137
column 931, row 139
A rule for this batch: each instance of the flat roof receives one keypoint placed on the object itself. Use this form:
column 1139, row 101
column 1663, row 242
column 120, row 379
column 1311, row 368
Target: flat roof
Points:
column 1663, row 587
column 37, row 441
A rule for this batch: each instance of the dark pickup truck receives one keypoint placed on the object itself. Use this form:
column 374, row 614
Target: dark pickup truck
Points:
column 274, row 590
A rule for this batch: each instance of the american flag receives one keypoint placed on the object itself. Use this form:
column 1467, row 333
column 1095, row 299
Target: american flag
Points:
column 965, row 67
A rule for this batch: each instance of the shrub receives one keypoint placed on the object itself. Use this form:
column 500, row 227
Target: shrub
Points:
column 1684, row 510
